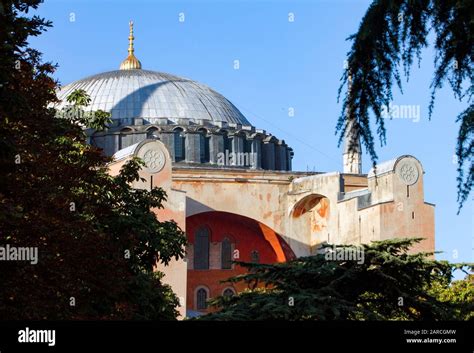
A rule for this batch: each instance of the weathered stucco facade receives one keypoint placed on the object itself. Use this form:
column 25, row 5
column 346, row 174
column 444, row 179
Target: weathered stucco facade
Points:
column 230, row 186
column 300, row 211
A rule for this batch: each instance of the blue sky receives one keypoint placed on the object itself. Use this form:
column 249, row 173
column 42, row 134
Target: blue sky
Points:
column 283, row 65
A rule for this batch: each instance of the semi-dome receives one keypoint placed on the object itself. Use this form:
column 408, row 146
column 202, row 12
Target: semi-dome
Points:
column 148, row 94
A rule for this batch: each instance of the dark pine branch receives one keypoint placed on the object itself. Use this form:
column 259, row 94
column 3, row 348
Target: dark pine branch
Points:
column 393, row 33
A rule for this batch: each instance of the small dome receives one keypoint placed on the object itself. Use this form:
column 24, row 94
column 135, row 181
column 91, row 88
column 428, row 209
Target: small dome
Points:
column 131, row 63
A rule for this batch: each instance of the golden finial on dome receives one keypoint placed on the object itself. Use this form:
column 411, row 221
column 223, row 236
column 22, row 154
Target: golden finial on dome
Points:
column 131, row 62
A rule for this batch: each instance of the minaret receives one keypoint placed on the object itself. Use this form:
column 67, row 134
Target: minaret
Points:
column 352, row 155
column 131, row 62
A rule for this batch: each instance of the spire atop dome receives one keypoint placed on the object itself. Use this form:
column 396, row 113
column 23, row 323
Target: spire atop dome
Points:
column 131, row 62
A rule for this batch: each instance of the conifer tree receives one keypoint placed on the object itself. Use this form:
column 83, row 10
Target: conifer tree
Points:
column 97, row 238
column 389, row 284
column 394, row 32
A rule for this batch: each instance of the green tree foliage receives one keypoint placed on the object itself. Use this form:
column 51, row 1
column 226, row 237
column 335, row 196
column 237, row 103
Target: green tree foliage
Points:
column 460, row 292
column 78, row 100
column 394, row 32
column 98, row 238
column 390, row 284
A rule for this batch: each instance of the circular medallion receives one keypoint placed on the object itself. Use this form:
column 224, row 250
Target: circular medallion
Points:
column 408, row 172
column 153, row 157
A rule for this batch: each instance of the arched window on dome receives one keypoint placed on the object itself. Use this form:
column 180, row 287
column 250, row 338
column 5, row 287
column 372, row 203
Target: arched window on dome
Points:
column 227, row 143
column 226, row 254
column 201, row 249
column 179, row 145
column 248, row 152
column 247, row 146
column 94, row 140
column 202, row 295
column 228, row 292
column 204, row 142
column 152, row 133
column 126, row 138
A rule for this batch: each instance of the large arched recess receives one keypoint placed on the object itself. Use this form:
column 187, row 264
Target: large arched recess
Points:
column 310, row 215
column 246, row 232
column 248, row 237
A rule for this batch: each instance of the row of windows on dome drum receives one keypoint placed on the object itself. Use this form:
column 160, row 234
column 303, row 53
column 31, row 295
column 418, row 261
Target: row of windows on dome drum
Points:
column 249, row 152
column 221, row 150
column 201, row 252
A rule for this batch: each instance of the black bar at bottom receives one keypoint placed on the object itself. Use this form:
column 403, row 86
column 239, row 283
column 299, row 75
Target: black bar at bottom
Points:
column 248, row 336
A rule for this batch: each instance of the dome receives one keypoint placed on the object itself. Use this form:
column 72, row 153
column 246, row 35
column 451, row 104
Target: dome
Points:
column 196, row 124
column 136, row 93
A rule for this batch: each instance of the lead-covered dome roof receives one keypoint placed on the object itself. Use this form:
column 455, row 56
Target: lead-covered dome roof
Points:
column 148, row 94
